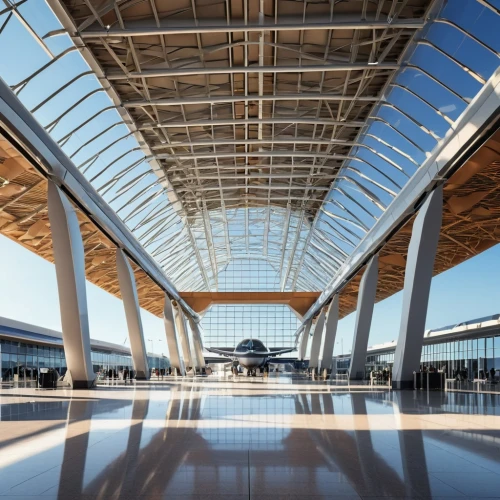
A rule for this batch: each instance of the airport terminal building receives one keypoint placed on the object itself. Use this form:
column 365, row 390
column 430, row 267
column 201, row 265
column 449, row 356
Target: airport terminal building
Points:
column 24, row 349
column 473, row 346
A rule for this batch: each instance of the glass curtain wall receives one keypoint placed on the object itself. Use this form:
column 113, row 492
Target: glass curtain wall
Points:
column 476, row 356
column 21, row 361
column 227, row 325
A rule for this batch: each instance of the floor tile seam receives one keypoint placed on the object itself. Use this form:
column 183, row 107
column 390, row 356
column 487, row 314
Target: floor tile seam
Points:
column 434, row 475
column 104, row 438
column 421, row 418
column 33, row 477
column 50, row 488
column 469, row 461
column 445, row 484
column 479, row 426
column 462, row 458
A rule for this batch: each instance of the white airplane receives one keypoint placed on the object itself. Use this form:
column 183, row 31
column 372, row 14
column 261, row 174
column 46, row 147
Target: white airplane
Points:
column 251, row 354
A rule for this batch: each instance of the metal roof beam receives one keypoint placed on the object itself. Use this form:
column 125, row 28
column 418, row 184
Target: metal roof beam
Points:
column 190, row 167
column 252, row 186
column 251, row 197
column 226, row 70
column 258, row 142
column 310, row 96
column 253, row 154
column 259, row 176
column 252, row 121
column 286, row 228
column 291, row 257
column 289, row 23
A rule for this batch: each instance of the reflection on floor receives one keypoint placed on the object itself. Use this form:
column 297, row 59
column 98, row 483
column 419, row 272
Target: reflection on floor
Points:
column 475, row 386
column 278, row 439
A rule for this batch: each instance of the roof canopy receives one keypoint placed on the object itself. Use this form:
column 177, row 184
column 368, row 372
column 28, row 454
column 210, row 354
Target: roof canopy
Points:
column 270, row 130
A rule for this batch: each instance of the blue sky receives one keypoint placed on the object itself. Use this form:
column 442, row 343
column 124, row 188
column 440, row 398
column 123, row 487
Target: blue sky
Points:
column 29, row 293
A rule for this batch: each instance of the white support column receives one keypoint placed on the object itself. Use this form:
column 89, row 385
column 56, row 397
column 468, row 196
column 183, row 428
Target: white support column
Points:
column 189, row 335
column 130, row 300
column 197, row 343
column 304, row 340
column 69, row 260
column 366, row 301
column 334, row 368
column 183, row 335
column 330, row 333
column 316, row 341
column 176, row 360
column 418, row 276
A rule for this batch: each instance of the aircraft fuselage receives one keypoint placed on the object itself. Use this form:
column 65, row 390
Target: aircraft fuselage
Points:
column 251, row 360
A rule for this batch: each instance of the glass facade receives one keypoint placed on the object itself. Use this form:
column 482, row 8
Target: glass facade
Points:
column 23, row 360
column 377, row 362
column 249, row 275
column 227, row 325
column 476, row 356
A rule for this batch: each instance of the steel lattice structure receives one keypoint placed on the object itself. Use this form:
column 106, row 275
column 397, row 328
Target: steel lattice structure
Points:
column 250, row 109
column 271, row 129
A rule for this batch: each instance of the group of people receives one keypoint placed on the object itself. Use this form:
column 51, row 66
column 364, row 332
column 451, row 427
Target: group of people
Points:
column 381, row 375
column 113, row 374
column 433, row 369
column 462, row 375
column 161, row 372
column 488, row 375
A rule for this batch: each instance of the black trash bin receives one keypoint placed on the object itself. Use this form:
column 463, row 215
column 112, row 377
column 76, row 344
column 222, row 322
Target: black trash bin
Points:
column 435, row 380
column 429, row 380
column 47, row 378
column 417, row 380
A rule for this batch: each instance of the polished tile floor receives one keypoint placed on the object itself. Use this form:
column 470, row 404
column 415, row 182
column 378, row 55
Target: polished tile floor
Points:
column 279, row 438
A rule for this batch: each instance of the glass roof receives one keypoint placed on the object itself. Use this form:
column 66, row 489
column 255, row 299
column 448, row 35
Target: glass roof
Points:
column 213, row 168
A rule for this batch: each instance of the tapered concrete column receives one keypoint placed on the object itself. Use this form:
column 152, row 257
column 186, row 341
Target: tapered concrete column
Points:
column 304, row 340
column 197, row 343
column 316, row 341
column 334, row 367
column 195, row 364
column 176, row 360
column 330, row 333
column 183, row 335
column 366, row 301
column 418, row 277
column 69, row 260
column 130, row 300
